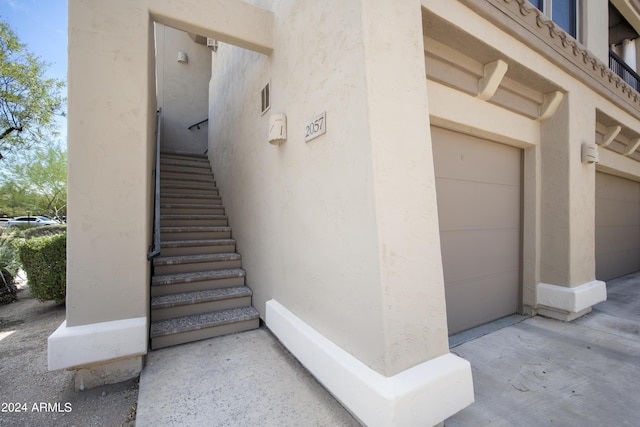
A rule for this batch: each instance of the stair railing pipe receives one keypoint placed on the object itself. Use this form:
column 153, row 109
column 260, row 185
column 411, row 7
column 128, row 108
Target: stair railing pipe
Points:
column 197, row 125
column 154, row 249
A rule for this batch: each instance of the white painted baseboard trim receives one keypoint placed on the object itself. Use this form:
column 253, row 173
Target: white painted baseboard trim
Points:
column 76, row 346
column 572, row 300
column 423, row 395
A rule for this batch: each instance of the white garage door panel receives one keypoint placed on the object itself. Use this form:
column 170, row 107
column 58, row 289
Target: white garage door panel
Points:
column 617, row 226
column 478, row 186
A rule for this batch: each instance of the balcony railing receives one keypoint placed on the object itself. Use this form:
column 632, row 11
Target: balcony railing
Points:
column 621, row 68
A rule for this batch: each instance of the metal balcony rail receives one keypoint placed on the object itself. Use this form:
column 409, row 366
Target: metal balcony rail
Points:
column 621, row 68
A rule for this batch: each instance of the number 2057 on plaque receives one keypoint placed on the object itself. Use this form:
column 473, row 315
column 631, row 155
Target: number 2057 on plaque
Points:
column 316, row 127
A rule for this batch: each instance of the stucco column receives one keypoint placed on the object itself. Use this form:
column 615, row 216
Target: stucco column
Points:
column 593, row 27
column 629, row 53
column 109, row 176
column 568, row 287
column 410, row 378
column 111, row 143
column 111, row 107
column 412, row 284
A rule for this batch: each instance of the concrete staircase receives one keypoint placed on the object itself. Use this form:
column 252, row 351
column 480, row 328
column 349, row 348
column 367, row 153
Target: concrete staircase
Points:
column 198, row 286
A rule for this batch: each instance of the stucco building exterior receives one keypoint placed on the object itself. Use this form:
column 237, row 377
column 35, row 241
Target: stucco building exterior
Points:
column 474, row 159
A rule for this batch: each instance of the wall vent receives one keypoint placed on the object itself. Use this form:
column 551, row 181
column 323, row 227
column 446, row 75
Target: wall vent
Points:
column 265, row 102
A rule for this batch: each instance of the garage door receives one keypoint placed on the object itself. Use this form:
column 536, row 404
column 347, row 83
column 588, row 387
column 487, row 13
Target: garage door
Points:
column 478, row 184
column 617, row 226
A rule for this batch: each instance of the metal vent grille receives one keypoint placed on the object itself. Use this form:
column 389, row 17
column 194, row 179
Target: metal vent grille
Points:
column 265, row 102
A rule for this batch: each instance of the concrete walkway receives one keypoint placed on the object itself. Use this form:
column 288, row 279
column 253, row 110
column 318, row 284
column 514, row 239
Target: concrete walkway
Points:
column 543, row 372
column 531, row 372
column 246, row 379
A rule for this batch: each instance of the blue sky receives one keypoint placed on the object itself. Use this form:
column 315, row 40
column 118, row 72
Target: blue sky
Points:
column 42, row 26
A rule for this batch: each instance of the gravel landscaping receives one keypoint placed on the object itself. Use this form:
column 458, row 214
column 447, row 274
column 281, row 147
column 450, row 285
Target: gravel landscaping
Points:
column 30, row 395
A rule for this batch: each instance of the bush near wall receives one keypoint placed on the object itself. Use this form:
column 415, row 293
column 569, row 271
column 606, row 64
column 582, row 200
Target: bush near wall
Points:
column 8, row 270
column 47, row 230
column 44, row 259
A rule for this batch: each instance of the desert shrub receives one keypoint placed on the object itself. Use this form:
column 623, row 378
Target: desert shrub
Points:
column 19, row 228
column 8, row 270
column 48, row 230
column 44, row 259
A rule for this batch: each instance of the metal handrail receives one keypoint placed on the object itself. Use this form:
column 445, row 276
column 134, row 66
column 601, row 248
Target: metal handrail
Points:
column 154, row 248
column 621, row 68
column 197, row 125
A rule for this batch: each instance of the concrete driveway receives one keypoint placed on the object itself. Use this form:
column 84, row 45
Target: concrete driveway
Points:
column 526, row 372
column 543, row 372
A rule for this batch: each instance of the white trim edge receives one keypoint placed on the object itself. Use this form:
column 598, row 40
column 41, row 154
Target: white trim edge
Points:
column 75, row 346
column 574, row 299
column 425, row 394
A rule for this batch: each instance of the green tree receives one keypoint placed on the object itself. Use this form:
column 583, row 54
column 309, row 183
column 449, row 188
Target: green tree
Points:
column 36, row 181
column 28, row 101
column 15, row 200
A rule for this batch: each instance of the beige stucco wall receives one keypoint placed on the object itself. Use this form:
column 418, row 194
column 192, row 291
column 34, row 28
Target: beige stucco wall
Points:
column 108, row 140
column 568, row 194
column 594, row 27
column 342, row 230
column 111, row 137
column 558, row 227
column 182, row 89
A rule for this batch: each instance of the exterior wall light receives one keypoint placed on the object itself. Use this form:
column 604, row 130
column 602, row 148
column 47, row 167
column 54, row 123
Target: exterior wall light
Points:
column 277, row 129
column 589, row 153
column 182, row 57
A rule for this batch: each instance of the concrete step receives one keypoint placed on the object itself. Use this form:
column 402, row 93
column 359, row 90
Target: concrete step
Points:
column 198, row 289
column 186, row 176
column 166, row 182
column 196, row 170
column 187, row 187
column 197, row 247
column 167, row 197
column 167, row 284
column 188, row 162
column 170, row 154
column 193, row 220
column 190, row 209
column 207, row 301
column 192, row 233
column 191, row 263
column 181, row 330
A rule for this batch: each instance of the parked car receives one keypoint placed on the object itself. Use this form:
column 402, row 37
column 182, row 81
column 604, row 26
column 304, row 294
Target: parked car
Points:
column 4, row 221
column 31, row 220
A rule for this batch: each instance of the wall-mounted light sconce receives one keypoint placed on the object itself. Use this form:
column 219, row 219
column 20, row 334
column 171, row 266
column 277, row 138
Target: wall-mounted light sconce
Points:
column 589, row 153
column 182, row 57
column 277, row 129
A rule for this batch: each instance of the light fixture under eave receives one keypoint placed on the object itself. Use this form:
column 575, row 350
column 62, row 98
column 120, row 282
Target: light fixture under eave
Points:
column 182, row 57
column 589, row 153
